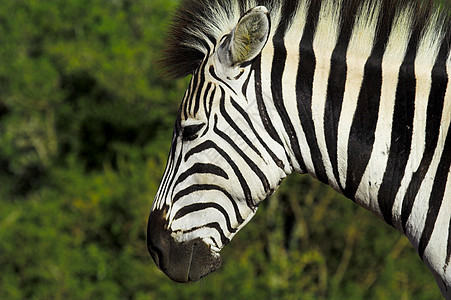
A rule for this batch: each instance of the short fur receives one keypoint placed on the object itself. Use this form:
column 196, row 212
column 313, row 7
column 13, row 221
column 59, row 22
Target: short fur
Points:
column 356, row 89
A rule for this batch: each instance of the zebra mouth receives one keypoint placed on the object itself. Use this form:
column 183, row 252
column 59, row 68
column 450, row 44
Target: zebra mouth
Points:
column 202, row 262
column 187, row 262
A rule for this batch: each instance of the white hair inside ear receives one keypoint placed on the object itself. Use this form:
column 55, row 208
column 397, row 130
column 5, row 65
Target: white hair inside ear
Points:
column 247, row 39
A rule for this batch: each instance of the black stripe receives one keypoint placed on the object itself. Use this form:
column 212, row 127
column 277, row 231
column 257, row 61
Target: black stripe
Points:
column 208, row 111
column 401, row 135
column 212, row 41
column 214, row 242
column 362, row 135
column 165, row 181
column 277, row 69
column 202, row 206
column 210, row 104
column 188, row 96
column 243, row 155
column 278, row 162
column 207, row 106
column 200, row 168
column 205, row 98
column 175, row 170
column 235, row 127
column 199, row 148
column 269, row 127
column 304, row 86
column 184, row 104
column 200, row 86
column 209, row 187
column 166, row 172
column 245, row 85
column 448, row 250
column 334, row 101
column 216, row 226
column 437, row 193
column 197, row 86
column 213, row 225
column 170, row 166
column 433, row 118
column 211, row 145
column 213, row 74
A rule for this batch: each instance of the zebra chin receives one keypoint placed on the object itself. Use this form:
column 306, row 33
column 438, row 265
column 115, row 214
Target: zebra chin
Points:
column 180, row 261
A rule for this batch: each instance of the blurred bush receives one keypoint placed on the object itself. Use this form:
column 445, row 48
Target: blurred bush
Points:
column 85, row 126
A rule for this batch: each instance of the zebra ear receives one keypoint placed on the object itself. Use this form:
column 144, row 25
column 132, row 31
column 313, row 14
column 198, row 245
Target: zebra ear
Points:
column 247, row 39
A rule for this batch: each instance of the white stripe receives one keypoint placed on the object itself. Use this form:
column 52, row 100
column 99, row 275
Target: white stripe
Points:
column 326, row 37
column 436, row 250
column 393, row 57
column 278, row 150
column 438, row 243
column 205, row 233
column 359, row 50
column 427, row 53
column 417, row 218
column 416, row 222
column 292, row 40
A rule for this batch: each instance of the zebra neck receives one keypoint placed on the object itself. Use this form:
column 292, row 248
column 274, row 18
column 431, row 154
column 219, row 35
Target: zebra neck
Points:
column 351, row 107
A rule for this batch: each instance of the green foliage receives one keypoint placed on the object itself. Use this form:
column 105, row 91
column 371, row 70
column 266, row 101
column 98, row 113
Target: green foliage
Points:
column 76, row 78
column 85, row 126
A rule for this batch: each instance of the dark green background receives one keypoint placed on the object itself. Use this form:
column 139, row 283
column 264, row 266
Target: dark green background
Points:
column 85, row 127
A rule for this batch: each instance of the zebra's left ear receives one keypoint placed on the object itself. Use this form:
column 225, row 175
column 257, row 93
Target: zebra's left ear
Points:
column 247, row 39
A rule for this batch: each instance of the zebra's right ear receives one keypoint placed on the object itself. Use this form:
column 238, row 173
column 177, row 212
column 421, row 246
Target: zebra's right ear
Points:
column 247, row 39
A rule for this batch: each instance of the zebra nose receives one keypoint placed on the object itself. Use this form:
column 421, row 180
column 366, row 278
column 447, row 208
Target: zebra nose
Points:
column 180, row 261
column 170, row 256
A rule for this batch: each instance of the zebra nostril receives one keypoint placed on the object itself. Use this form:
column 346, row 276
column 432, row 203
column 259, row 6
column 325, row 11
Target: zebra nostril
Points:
column 156, row 255
column 157, row 244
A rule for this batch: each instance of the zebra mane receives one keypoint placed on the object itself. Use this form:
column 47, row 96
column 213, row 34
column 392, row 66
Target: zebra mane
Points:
column 198, row 24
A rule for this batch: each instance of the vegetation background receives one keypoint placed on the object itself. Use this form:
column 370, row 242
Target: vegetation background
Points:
column 85, row 127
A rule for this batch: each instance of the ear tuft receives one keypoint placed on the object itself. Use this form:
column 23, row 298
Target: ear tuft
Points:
column 247, row 39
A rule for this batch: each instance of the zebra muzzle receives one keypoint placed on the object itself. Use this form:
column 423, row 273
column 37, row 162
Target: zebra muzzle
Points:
column 180, row 261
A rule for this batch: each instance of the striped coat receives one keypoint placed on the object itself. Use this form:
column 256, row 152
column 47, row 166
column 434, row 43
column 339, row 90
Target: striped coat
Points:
column 356, row 93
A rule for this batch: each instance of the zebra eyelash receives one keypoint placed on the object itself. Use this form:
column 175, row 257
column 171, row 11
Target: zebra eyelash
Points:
column 190, row 132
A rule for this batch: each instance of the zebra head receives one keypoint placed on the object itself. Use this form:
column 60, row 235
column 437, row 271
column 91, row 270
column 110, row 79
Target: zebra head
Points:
column 218, row 169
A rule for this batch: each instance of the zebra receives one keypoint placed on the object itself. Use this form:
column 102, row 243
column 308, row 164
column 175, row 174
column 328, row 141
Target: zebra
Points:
column 353, row 92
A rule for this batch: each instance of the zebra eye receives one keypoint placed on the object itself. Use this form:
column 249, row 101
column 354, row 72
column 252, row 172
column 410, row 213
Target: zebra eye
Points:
column 189, row 133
